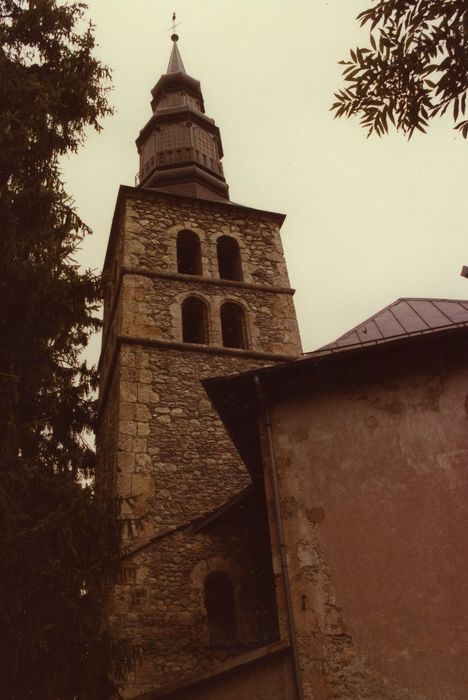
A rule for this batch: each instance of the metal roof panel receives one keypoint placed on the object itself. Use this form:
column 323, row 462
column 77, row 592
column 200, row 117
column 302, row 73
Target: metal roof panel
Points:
column 428, row 311
column 456, row 311
column 404, row 317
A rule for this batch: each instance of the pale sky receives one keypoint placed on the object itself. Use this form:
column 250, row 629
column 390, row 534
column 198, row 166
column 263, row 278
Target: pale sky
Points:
column 368, row 221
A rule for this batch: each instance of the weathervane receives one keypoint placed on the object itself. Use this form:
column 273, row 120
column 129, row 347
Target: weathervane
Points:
column 175, row 24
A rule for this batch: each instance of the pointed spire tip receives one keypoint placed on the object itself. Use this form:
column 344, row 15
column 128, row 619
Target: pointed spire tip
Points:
column 176, row 64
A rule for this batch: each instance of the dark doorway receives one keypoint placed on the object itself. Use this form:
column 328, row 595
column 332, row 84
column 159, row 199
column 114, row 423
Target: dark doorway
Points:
column 220, row 609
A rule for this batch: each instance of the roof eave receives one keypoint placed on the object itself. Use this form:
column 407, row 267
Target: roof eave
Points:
column 234, row 397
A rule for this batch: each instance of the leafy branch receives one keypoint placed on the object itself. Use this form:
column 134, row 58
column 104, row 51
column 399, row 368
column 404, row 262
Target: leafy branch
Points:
column 415, row 68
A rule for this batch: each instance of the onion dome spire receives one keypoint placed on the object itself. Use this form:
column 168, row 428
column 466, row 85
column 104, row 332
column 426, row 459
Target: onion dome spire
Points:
column 180, row 147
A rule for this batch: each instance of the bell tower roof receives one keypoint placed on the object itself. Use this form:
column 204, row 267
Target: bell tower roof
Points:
column 176, row 65
column 180, row 147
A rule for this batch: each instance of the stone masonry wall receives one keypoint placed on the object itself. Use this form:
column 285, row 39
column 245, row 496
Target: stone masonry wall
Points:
column 170, row 450
column 272, row 677
column 151, row 229
column 107, row 432
column 174, row 455
column 111, row 277
column 159, row 603
column 152, row 308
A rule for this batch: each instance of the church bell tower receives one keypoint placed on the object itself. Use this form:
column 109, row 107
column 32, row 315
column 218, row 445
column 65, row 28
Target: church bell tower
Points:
column 180, row 147
column 195, row 286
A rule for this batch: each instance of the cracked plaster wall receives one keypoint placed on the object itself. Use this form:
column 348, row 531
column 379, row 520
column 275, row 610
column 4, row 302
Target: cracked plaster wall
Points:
column 374, row 482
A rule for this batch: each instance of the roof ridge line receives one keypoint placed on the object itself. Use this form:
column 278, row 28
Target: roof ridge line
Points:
column 429, row 299
column 390, row 308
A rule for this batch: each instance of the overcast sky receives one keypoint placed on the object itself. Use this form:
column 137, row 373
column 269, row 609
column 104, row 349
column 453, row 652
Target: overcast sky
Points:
column 368, row 221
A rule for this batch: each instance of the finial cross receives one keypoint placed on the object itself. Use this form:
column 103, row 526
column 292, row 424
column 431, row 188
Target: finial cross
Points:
column 174, row 23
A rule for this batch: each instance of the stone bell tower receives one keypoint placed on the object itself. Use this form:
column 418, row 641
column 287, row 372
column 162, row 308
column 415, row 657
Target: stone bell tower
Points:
column 195, row 286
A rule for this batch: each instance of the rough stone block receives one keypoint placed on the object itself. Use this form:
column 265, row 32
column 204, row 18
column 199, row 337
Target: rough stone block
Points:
column 143, row 429
column 142, row 412
column 125, row 460
column 127, row 411
column 127, row 427
column 145, row 376
column 128, row 392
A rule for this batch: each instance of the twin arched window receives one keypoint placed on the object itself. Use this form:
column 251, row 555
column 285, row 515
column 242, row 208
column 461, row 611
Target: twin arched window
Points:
column 220, row 609
column 195, row 323
column 189, row 256
column 194, row 310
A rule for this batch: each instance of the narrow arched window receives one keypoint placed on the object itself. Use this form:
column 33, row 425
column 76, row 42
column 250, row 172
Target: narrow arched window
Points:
column 188, row 253
column 194, row 321
column 229, row 262
column 233, row 325
column 220, row 609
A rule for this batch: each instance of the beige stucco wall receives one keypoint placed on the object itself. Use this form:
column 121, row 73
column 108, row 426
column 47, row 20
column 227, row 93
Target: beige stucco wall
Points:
column 373, row 477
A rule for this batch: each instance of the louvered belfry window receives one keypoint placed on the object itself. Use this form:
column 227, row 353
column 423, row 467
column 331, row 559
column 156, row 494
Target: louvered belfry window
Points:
column 173, row 136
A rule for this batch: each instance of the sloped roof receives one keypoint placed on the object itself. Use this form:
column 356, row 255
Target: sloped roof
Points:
column 176, row 64
column 433, row 327
column 403, row 318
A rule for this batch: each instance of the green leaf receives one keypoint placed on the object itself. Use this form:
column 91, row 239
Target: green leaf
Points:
column 416, row 41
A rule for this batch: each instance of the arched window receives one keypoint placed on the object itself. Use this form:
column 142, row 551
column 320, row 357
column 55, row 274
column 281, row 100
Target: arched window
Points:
column 233, row 325
column 229, row 262
column 188, row 253
column 220, row 609
column 194, row 321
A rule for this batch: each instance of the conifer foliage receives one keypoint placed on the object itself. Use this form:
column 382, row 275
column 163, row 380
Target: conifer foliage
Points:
column 58, row 541
column 415, row 69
